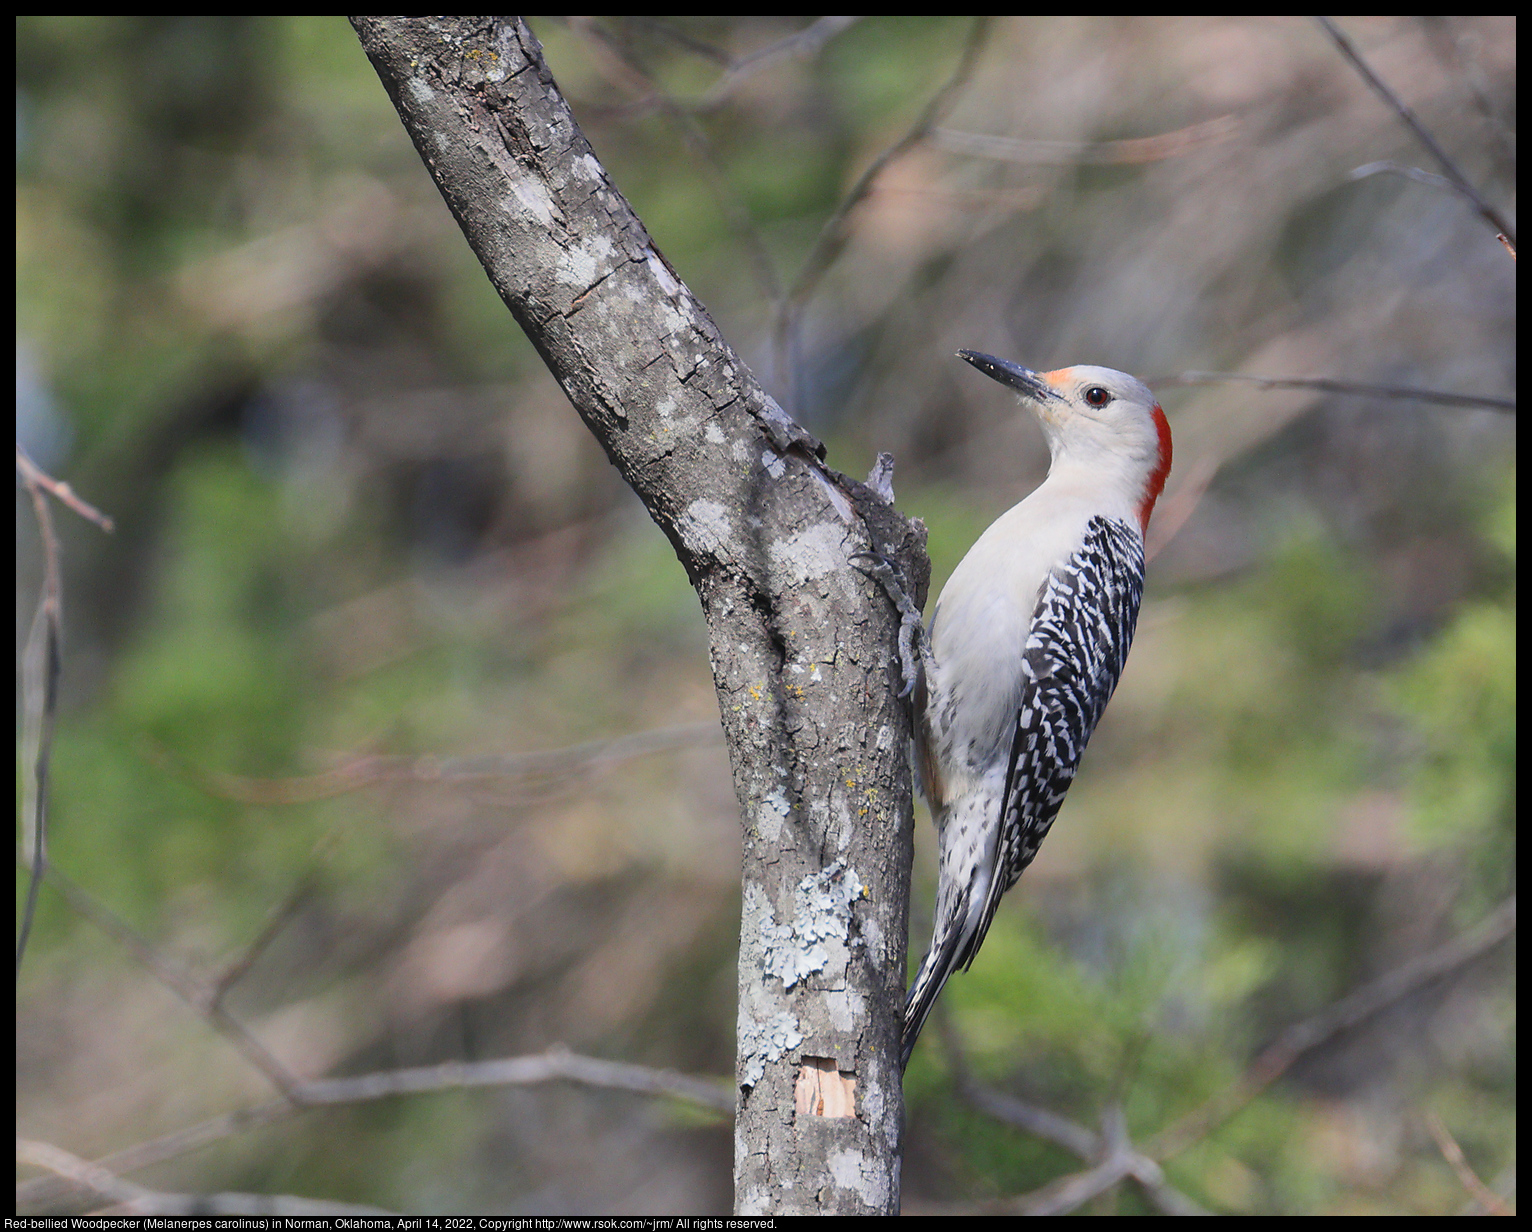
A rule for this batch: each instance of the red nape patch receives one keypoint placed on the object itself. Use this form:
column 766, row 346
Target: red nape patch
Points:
column 1156, row 483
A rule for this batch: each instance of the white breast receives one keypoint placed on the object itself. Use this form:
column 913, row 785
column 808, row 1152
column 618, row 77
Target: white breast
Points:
column 979, row 631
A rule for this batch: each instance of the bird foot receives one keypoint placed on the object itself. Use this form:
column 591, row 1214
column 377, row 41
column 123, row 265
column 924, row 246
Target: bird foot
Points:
column 914, row 646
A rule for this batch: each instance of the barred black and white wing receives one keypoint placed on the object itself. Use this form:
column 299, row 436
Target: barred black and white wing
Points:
column 1076, row 650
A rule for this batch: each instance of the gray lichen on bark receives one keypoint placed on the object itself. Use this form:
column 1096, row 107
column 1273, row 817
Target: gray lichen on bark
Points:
column 799, row 639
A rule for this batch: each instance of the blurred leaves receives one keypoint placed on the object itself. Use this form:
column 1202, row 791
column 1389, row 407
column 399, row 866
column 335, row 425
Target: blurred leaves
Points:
column 357, row 518
column 1459, row 696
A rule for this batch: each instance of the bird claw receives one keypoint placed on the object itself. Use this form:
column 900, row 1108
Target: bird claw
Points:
column 914, row 646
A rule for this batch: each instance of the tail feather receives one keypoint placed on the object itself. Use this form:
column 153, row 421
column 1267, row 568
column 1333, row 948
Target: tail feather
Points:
column 921, row 998
column 943, row 958
column 960, row 929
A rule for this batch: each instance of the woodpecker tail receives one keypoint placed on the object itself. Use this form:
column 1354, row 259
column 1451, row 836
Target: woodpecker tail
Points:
column 959, row 930
column 940, row 962
column 963, row 909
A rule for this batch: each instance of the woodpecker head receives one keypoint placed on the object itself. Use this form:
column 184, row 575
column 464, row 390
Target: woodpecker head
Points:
column 1097, row 418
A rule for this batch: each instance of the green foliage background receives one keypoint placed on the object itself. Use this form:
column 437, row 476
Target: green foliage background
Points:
column 356, row 519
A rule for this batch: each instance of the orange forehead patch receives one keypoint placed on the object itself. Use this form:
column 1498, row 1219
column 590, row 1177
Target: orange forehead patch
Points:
column 1059, row 377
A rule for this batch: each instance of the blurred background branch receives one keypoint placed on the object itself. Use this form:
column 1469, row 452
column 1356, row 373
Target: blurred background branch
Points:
column 835, row 231
column 360, row 542
column 555, row 1065
column 41, row 666
column 1482, row 1194
column 1402, row 393
column 1455, row 177
column 129, row 1199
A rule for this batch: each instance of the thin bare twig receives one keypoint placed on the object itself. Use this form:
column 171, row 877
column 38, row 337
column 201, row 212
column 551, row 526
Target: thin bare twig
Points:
column 1407, row 393
column 131, row 1199
column 70, row 1166
column 1381, row 88
column 621, row 64
column 1344, row 1014
column 805, row 42
column 1112, row 1156
column 1168, row 1199
column 1176, row 508
column 1453, row 1154
column 836, row 231
column 41, row 1191
column 555, row 1065
column 1503, row 1187
column 1120, row 1162
column 32, row 474
column 365, row 770
column 1025, row 197
column 688, row 42
column 1457, row 54
column 277, row 920
column 1031, row 1119
column 1039, row 1122
column 203, row 997
column 1068, row 1193
column 739, row 69
column 42, row 665
column 1127, row 150
column 40, row 669
column 154, row 1202
column 1387, row 167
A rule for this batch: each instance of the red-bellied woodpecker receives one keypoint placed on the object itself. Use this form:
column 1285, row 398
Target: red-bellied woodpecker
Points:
column 1026, row 645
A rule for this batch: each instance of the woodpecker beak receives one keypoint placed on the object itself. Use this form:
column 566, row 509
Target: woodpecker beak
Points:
column 1031, row 385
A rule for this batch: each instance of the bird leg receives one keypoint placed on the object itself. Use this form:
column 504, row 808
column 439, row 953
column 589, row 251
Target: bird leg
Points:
column 915, row 657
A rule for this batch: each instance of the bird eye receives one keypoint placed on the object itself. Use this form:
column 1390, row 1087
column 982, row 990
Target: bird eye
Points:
column 1097, row 396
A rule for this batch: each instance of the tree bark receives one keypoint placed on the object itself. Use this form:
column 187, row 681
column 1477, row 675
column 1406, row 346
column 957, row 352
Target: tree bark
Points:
column 800, row 641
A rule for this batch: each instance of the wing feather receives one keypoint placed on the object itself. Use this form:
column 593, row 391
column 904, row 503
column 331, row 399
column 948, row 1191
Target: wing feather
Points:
column 1076, row 649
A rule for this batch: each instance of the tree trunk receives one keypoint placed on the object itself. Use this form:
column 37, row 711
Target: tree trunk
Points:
column 800, row 640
